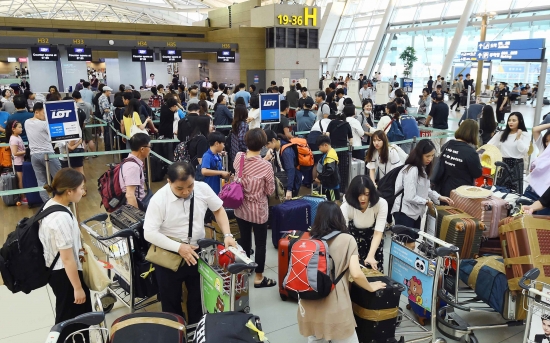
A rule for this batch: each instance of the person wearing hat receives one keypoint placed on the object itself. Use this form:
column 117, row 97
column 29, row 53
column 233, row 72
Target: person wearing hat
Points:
column 104, row 105
column 305, row 117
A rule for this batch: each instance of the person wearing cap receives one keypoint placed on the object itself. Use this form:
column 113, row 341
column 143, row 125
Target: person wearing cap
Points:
column 104, row 105
column 79, row 85
column 151, row 82
column 305, row 117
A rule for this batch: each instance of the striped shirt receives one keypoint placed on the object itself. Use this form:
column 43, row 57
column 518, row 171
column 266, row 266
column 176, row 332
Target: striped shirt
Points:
column 59, row 231
column 258, row 183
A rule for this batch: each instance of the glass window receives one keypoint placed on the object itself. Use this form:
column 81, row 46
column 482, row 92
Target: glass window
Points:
column 336, row 50
column 269, row 37
column 341, row 36
column 431, row 11
column 313, row 39
column 280, row 39
column 345, row 23
column 290, row 38
column 373, row 32
column 346, row 64
column 302, row 38
column 404, row 15
column 455, row 7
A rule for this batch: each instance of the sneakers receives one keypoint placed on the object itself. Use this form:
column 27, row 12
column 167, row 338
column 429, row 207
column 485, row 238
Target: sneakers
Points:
column 24, row 202
column 457, row 109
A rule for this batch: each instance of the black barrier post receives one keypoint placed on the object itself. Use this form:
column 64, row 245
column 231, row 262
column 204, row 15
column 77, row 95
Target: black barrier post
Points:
column 48, row 176
column 350, row 160
column 111, row 139
column 413, row 144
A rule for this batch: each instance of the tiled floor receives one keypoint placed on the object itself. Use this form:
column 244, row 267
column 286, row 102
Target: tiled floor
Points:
column 28, row 318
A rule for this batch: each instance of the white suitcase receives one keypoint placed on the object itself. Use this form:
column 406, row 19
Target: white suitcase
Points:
column 357, row 168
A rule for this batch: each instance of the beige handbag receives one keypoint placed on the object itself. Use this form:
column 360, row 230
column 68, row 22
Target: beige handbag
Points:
column 95, row 275
column 168, row 259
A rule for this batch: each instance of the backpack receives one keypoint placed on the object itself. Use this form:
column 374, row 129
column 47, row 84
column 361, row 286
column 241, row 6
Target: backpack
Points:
column 304, row 155
column 181, row 152
column 5, row 157
column 22, row 263
column 396, row 132
column 386, row 189
column 409, row 127
column 109, row 187
column 311, row 269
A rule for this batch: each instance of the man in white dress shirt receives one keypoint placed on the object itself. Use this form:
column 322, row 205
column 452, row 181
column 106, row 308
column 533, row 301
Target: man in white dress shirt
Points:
column 151, row 82
column 206, row 83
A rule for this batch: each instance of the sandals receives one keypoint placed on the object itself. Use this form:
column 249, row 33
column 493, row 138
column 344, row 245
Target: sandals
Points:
column 266, row 282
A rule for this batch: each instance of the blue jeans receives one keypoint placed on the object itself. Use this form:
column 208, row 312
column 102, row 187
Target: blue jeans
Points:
column 39, row 166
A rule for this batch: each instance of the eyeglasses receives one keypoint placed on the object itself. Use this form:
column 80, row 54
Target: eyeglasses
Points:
column 146, row 146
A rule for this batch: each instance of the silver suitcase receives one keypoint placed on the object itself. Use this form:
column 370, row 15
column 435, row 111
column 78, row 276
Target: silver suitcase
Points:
column 8, row 182
column 357, row 168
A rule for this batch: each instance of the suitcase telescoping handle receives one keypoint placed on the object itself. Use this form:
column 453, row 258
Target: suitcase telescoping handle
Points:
column 404, row 230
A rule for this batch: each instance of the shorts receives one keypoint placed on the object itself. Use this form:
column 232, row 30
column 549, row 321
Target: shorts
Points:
column 18, row 168
column 87, row 135
column 332, row 194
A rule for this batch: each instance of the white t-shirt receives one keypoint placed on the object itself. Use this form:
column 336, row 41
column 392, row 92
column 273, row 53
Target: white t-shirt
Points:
column 59, row 231
column 383, row 168
column 150, row 83
column 38, row 136
column 373, row 216
column 168, row 215
column 254, row 113
column 539, row 145
column 325, row 122
column 511, row 148
column 383, row 123
column 356, row 130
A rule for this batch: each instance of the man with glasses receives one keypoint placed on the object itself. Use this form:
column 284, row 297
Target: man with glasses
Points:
column 151, row 82
column 131, row 178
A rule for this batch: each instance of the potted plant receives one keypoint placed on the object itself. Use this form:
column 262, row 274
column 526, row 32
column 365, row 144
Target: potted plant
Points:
column 408, row 56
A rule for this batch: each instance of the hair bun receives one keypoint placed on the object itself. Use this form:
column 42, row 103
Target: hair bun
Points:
column 49, row 188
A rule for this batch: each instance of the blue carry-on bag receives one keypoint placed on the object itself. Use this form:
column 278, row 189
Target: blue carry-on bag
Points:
column 29, row 181
column 290, row 215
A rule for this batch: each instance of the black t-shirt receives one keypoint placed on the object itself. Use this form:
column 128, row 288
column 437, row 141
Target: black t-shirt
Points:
column 440, row 115
column 501, row 95
column 330, row 96
column 462, row 166
column 166, row 127
column 282, row 124
column 340, row 133
column 430, row 84
column 197, row 147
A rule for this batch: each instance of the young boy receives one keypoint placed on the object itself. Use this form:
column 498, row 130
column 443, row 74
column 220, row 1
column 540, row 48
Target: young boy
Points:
column 327, row 169
column 211, row 164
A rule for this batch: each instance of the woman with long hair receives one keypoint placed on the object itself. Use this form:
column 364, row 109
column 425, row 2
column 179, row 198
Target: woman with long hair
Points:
column 53, row 94
column 331, row 318
column 462, row 165
column 198, row 143
column 60, row 236
column 487, row 123
column 514, row 144
column 412, row 188
column 381, row 158
column 222, row 115
column 131, row 117
column 238, row 130
column 385, row 120
column 203, row 108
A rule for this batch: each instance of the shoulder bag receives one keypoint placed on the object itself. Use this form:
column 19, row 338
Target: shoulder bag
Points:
column 135, row 128
column 95, row 275
column 169, row 259
column 439, row 167
column 232, row 193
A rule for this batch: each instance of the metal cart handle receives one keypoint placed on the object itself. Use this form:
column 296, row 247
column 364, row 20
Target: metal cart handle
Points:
column 100, row 217
column 236, row 268
column 122, row 233
column 446, row 251
column 403, row 230
column 532, row 274
column 91, row 318
column 207, row 242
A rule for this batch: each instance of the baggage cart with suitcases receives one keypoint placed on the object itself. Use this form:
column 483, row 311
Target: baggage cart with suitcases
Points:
column 525, row 245
column 284, row 249
column 29, row 181
column 296, row 213
column 217, row 233
column 8, row 182
column 229, row 327
column 376, row 313
column 490, row 210
column 458, row 228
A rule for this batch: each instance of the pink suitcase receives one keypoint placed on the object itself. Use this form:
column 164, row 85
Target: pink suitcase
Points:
column 490, row 211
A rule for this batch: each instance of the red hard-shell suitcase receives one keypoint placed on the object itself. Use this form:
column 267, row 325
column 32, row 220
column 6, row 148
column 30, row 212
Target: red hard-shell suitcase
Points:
column 489, row 210
column 285, row 247
column 146, row 327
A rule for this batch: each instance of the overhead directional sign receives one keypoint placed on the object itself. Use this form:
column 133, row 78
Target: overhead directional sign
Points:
column 522, row 49
column 468, row 56
column 519, row 44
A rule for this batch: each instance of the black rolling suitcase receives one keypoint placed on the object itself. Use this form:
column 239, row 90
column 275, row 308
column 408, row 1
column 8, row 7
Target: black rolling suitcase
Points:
column 146, row 327
column 463, row 100
column 158, row 167
column 8, row 182
column 376, row 313
column 228, row 327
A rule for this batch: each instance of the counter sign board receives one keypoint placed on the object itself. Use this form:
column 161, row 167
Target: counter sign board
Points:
column 226, row 56
column 44, row 53
column 269, row 108
column 512, row 50
column 170, row 56
column 62, row 120
column 79, row 54
column 143, row 55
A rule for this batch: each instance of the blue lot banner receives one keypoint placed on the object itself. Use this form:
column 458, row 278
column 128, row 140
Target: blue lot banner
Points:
column 62, row 120
column 269, row 108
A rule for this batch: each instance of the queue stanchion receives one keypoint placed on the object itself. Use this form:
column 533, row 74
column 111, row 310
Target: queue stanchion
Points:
column 68, row 159
column 111, row 131
column 413, row 143
column 350, row 164
column 48, row 176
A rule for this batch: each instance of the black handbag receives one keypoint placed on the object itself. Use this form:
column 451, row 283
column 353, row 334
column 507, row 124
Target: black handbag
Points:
column 507, row 108
column 439, row 168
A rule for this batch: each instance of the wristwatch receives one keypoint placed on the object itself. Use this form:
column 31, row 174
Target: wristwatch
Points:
column 228, row 235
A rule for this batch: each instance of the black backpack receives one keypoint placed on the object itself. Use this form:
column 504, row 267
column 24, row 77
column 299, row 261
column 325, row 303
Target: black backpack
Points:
column 386, row 189
column 22, row 263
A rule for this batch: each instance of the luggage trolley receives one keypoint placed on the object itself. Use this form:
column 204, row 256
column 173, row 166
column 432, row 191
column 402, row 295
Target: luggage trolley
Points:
column 423, row 273
column 117, row 253
column 537, row 307
column 224, row 288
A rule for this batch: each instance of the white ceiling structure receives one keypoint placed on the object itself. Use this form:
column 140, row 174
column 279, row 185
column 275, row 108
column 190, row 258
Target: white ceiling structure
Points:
column 172, row 12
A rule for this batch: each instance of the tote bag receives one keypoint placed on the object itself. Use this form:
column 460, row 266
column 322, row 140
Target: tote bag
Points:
column 95, row 275
column 232, row 193
column 135, row 128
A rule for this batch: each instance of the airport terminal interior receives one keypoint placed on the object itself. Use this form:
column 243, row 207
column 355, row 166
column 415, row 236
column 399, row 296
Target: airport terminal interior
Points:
column 441, row 65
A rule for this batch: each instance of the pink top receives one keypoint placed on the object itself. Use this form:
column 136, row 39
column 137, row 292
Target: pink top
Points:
column 18, row 160
column 258, row 183
column 131, row 174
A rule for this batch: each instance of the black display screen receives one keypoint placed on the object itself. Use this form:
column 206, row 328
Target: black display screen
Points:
column 226, row 56
column 170, row 55
column 79, row 54
column 143, row 55
column 44, row 53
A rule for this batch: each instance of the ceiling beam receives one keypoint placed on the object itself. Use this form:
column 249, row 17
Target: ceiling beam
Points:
column 127, row 4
